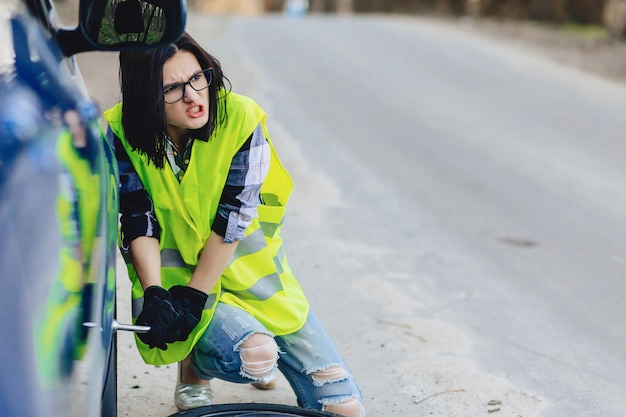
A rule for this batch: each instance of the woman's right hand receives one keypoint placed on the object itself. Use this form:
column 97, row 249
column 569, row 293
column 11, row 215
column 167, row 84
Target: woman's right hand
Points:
column 160, row 312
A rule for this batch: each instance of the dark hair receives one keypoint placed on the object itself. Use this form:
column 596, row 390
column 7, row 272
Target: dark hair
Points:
column 143, row 108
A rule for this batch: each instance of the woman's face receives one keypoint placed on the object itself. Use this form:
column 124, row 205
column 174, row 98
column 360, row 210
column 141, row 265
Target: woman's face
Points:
column 192, row 110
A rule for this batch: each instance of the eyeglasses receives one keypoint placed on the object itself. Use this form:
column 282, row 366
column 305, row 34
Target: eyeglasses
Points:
column 199, row 81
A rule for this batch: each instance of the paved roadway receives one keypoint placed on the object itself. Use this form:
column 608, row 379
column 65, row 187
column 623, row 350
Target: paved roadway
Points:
column 459, row 215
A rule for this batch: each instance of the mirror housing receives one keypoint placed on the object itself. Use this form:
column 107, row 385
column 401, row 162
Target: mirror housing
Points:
column 115, row 25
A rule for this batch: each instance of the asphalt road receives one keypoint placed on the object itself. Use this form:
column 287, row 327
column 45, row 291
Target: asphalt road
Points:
column 459, row 214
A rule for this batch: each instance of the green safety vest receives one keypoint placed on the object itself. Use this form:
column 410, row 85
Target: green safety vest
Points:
column 258, row 277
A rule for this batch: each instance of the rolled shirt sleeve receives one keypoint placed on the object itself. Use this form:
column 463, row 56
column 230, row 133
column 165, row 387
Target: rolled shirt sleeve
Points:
column 241, row 194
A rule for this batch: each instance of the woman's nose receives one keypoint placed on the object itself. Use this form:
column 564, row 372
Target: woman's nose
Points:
column 190, row 94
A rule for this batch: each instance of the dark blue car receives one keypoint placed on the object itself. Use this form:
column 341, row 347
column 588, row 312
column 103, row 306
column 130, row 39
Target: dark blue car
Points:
column 58, row 205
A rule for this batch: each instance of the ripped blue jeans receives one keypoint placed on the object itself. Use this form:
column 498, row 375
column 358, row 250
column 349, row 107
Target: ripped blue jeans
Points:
column 307, row 358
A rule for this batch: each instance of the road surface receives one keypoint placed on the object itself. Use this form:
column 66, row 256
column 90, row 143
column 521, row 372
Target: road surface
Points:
column 458, row 220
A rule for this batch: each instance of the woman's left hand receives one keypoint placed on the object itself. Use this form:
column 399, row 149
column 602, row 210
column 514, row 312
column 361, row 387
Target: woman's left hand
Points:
column 191, row 303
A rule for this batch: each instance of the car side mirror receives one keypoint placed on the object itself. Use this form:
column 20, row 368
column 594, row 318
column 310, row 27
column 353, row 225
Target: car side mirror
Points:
column 115, row 25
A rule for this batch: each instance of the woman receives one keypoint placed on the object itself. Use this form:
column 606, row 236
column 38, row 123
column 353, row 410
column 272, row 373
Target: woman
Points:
column 202, row 198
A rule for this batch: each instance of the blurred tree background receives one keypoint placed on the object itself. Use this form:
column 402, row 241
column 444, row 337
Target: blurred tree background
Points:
column 607, row 14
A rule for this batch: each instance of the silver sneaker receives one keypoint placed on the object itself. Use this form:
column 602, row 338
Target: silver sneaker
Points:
column 267, row 383
column 188, row 396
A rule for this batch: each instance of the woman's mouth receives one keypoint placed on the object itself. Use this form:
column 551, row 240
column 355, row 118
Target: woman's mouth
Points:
column 195, row 111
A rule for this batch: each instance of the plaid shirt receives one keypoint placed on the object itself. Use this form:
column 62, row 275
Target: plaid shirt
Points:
column 241, row 194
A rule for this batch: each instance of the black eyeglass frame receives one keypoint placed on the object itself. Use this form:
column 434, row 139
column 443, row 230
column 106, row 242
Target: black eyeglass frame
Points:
column 208, row 74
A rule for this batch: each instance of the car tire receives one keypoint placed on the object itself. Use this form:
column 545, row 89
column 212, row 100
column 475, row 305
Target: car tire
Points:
column 109, row 391
column 252, row 410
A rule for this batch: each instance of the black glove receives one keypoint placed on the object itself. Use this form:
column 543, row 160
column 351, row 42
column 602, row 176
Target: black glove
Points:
column 160, row 312
column 191, row 303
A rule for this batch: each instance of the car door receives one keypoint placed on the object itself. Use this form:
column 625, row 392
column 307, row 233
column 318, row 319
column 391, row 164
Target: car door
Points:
column 58, row 208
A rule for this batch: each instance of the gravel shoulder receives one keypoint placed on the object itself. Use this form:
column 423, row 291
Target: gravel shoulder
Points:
column 601, row 57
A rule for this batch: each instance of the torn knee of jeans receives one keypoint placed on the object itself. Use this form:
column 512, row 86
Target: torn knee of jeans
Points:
column 333, row 373
column 259, row 356
column 344, row 406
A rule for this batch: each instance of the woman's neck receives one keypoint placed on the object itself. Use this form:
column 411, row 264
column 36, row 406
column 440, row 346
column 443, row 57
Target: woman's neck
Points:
column 179, row 137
